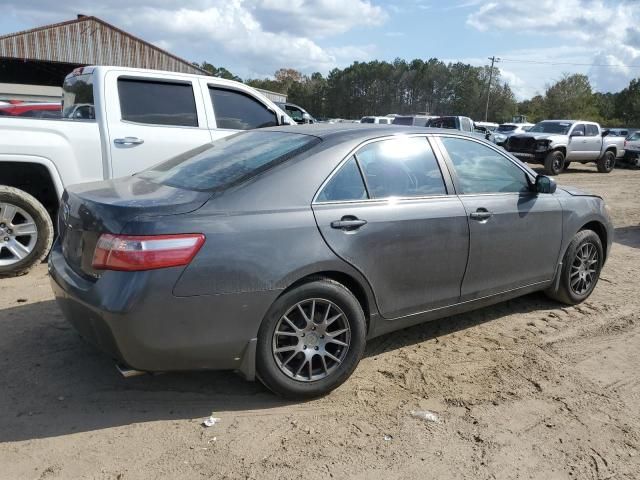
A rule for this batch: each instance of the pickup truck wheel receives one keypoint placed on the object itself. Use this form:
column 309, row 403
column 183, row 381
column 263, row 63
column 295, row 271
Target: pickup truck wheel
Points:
column 606, row 162
column 554, row 163
column 26, row 231
column 566, row 166
column 581, row 267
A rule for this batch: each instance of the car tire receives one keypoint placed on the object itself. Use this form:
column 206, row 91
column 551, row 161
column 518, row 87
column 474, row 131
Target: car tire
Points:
column 296, row 377
column 607, row 162
column 554, row 163
column 24, row 210
column 569, row 288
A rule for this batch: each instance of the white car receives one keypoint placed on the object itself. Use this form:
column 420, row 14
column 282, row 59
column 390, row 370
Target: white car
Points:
column 375, row 119
column 505, row 130
column 116, row 122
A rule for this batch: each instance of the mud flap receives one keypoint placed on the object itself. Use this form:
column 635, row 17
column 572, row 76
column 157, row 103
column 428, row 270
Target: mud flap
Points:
column 248, row 362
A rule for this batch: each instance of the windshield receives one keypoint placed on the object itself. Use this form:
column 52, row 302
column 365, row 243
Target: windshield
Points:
column 506, row 128
column 230, row 160
column 560, row 128
column 77, row 97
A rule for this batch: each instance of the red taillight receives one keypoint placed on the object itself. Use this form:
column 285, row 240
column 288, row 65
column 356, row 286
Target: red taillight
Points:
column 137, row 252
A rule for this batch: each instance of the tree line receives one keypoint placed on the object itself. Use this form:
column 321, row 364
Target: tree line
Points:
column 438, row 88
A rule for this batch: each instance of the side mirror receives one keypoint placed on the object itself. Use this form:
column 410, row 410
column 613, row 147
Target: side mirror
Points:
column 545, row 184
column 605, row 133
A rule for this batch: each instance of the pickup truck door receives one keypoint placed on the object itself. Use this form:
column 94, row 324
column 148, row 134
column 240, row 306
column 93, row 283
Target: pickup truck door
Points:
column 577, row 147
column 594, row 142
column 151, row 117
column 232, row 108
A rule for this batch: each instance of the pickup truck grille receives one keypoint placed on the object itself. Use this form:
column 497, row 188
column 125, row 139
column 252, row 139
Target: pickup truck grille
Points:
column 521, row 144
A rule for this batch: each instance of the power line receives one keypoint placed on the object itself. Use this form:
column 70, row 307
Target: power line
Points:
column 542, row 62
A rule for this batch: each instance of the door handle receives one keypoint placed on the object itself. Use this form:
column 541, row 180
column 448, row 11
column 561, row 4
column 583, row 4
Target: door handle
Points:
column 128, row 141
column 348, row 223
column 481, row 214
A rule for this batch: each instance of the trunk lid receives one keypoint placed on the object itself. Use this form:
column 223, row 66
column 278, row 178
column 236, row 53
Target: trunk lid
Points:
column 91, row 209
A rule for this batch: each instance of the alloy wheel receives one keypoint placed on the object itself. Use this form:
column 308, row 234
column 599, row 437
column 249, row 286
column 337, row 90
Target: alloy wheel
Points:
column 584, row 268
column 18, row 234
column 311, row 340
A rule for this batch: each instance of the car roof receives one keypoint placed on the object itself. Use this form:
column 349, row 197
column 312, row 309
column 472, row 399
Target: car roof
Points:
column 337, row 132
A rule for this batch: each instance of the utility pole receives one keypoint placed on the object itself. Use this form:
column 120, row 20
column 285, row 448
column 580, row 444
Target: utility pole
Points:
column 486, row 110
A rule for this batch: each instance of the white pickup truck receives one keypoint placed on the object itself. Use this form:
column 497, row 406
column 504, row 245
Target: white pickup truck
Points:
column 116, row 121
column 557, row 143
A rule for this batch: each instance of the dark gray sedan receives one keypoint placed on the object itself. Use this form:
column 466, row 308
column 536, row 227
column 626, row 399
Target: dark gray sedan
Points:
column 279, row 252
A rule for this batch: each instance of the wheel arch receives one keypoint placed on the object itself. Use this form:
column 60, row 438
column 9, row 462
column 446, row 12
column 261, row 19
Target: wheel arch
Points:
column 600, row 230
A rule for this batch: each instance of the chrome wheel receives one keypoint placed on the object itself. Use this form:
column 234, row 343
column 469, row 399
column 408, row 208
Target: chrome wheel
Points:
column 18, row 234
column 311, row 340
column 584, row 269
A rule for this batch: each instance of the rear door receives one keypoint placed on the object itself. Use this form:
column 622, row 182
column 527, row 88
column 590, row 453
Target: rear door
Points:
column 151, row 118
column 577, row 149
column 400, row 227
column 230, row 110
column 593, row 142
column 515, row 234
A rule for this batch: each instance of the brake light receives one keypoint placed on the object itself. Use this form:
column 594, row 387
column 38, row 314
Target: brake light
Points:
column 148, row 252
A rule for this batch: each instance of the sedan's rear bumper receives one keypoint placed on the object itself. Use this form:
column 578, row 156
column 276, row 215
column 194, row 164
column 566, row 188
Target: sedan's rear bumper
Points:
column 135, row 318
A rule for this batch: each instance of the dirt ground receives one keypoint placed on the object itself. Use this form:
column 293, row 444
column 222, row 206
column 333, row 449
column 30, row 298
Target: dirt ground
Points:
column 525, row 389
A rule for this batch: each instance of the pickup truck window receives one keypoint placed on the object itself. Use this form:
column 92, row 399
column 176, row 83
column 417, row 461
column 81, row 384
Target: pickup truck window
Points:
column 591, row 130
column 238, row 111
column 229, row 160
column 157, row 103
column 77, row 97
column 578, row 128
column 560, row 128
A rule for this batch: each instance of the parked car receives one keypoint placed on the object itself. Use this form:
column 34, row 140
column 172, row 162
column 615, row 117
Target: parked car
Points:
column 557, row 143
column 505, row 130
column 632, row 150
column 201, row 262
column 117, row 121
column 412, row 120
column 32, row 110
column 299, row 114
column 464, row 124
column 378, row 120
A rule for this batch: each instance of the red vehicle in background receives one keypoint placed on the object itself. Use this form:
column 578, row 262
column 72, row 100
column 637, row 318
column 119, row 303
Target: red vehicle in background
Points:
column 32, row 110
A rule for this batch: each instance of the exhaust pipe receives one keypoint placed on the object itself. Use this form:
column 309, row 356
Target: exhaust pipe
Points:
column 127, row 372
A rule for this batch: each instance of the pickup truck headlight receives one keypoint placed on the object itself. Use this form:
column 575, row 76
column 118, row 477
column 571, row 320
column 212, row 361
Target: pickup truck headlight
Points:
column 542, row 145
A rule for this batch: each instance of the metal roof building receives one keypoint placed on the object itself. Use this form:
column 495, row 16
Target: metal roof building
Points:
column 33, row 63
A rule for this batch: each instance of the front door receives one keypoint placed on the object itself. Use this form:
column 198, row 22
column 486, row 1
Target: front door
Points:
column 399, row 227
column 152, row 119
column 515, row 234
column 577, row 148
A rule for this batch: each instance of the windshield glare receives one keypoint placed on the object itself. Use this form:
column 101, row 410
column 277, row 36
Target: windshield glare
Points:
column 230, row 160
column 560, row 128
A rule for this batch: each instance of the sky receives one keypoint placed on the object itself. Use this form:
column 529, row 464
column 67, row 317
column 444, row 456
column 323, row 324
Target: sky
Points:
column 254, row 38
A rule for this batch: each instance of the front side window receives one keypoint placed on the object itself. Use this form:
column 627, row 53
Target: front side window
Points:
column 344, row 186
column 591, row 130
column 157, row 102
column 238, row 111
column 230, row 160
column 578, row 130
column 481, row 169
column 401, row 167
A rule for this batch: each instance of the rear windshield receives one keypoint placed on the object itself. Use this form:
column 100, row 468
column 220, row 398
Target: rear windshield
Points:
column 403, row 121
column 561, row 128
column 634, row 136
column 77, row 97
column 506, row 128
column 230, row 160
column 446, row 122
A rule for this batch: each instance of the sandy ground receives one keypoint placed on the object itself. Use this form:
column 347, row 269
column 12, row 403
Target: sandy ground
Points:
column 525, row 389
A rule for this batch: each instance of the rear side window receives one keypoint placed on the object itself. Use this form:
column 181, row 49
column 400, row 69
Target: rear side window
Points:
column 402, row 167
column 481, row 169
column 157, row 103
column 230, row 160
column 344, row 186
column 238, row 111
column 591, row 130
column 77, row 97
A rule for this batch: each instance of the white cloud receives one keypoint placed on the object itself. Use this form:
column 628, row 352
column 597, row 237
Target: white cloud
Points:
column 265, row 35
column 604, row 33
